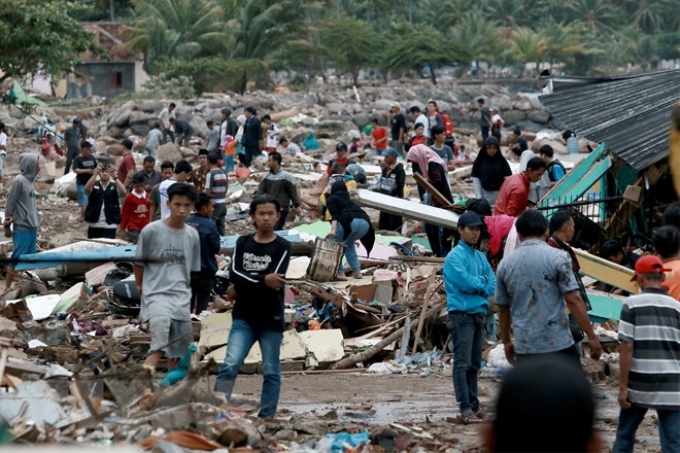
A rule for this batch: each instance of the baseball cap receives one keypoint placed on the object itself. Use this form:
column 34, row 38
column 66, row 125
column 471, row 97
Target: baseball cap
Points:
column 341, row 146
column 648, row 264
column 470, row 219
column 395, row 104
column 391, row 152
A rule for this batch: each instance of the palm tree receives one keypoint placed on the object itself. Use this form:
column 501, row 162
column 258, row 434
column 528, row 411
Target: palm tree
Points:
column 177, row 29
column 479, row 35
column 528, row 46
column 649, row 15
column 596, row 14
column 506, row 12
column 562, row 41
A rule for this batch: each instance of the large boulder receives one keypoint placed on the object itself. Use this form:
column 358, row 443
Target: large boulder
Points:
column 121, row 120
column 538, row 116
column 115, row 150
column 140, row 129
column 169, row 151
column 199, row 125
column 140, row 117
column 151, row 106
column 512, row 117
column 114, row 132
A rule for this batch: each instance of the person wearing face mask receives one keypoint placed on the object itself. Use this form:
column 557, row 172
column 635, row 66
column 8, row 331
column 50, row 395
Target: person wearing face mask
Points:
column 489, row 171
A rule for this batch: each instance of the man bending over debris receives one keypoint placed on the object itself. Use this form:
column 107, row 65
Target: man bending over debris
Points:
column 258, row 269
column 168, row 251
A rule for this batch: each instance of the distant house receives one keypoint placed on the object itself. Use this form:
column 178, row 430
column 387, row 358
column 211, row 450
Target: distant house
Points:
column 120, row 71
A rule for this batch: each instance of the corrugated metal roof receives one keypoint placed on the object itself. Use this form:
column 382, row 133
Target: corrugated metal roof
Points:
column 630, row 114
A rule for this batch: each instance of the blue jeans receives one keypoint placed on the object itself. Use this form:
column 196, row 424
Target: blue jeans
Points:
column 241, row 338
column 24, row 242
column 467, row 334
column 358, row 229
column 630, row 419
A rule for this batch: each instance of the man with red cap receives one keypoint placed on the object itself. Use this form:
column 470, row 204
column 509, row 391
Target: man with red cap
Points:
column 649, row 332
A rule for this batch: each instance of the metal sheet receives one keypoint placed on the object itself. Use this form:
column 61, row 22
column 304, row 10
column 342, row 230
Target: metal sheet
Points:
column 410, row 209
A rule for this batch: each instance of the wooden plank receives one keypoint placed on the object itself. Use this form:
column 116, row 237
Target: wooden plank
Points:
column 419, row 259
column 423, row 313
column 606, row 271
column 429, row 188
column 564, row 186
column 406, row 208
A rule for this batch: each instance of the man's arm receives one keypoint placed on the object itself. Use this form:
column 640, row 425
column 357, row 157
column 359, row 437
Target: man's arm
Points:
column 238, row 274
column 462, row 278
column 625, row 361
column 139, row 277
column 91, row 182
column 505, row 324
column 578, row 311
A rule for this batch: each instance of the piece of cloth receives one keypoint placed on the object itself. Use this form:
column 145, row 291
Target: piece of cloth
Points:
column 281, row 186
column 499, row 227
column 513, row 198
column 155, row 199
column 163, row 197
column 651, row 322
column 172, row 336
column 256, row 303
column 555, row 170
column 358, row 229
column 210, row 241
column 333, row 162
column 84, row 163
column 20, row 203
column 398, row 126
column 422, row 119
column 242, row 337
column 467, row 335
column 468, row 279
column 283, row 216
column 557, row 243
column 629, row 421
column 164, row 117
column 252, row 133
column 310, row 143
column 571, row 353
column 532, row 282
column 272, row 136
column 169, row 258
column 216, row 185
column 672, row 282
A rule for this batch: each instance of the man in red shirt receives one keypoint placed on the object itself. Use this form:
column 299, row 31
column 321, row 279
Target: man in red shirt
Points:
column 135, row 215
column 514, row 195
column 379, row 137
column 127, row 168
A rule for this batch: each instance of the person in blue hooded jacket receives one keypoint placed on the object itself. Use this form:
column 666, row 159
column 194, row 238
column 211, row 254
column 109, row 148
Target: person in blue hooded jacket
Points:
column 469, row 282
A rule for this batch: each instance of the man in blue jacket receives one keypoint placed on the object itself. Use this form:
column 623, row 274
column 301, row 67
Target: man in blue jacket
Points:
column 469, row 283
column 202, row 282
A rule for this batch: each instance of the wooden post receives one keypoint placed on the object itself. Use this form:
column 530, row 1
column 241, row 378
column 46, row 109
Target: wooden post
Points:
column 423, row 313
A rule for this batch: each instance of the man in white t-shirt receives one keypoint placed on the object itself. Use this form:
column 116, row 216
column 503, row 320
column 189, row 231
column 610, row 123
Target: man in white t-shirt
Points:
column 272, row 133
column 182, row 171
column 420, row 118
column 3, row 149
column 164, row 118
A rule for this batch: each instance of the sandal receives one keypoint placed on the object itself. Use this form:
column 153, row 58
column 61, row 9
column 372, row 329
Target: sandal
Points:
column 357, row 275
column 481, row 415
column 341, row 277
column 468, row 417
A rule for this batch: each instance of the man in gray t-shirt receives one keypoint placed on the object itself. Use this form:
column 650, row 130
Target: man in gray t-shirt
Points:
column 168, row 251
column 534, row 286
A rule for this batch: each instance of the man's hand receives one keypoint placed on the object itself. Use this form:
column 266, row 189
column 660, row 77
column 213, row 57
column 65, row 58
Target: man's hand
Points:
column 331, row 235
column 275, row 281
column 297, row 211
column 595, row 348
column 231, row 292
column 623, row 398
column 509, row 351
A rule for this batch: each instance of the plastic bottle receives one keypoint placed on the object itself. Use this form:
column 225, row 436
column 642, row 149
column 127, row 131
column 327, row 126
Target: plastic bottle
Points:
column 572, row 144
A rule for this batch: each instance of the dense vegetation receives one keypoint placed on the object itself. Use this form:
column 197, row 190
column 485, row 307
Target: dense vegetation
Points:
column 224, row 43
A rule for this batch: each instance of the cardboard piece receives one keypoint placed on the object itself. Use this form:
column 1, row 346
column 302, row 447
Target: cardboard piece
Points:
column 325, row 344
column 215, row 330
column 292, row 348
column 41, row 307
column 297, row 268
column 365, row 293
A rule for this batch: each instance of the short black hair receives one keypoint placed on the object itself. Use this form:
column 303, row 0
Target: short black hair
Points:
column 266, row 117
column 85, row 144
column 283, row 140
column 126, row 142
column 203, row 152
column 167, row 164
column 611, row 247
column 213, row 158
column 148, row 159
column 531, row 224
column 179, row 189
column 437, row 129
column 172, row 104
column 417, row 125
column 2, row 125
column 182, row 166
column 432, row 101
column 414, row 109
column 536, row 163
column 375, row 121
column 337, row 167
column 517, row 131
column 251, row 109
column 263, row 199
column 480, row 101
column 666, row 241
column 138, row 179
column 202, row 200
column 210, row 123
column 276, row 156
column 547, row 150
column 553, row 392
column 672, row 216
column 559, row 219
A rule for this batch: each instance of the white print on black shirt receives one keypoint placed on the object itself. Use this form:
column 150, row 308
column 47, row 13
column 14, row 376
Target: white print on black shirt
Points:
column 173, row 256
column 256, row 263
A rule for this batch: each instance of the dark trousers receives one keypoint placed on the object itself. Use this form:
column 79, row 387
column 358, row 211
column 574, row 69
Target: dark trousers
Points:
column 219, row 216
column 467, row 335
column 251, row 152
column 71, row 154
column 439, row 239
column 201, row 288
column 169, row 132
column 485, row 132
column 101, row 233
column 629, row 421
column 571, row 353
column 282, row 220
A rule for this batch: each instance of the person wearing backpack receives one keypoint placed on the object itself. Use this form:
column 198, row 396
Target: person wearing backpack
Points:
column 555, row 169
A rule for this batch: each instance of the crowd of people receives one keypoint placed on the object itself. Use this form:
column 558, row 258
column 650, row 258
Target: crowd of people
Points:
column 178, row 214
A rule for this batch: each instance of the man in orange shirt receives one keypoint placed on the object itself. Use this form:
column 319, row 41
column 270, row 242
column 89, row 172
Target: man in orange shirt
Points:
column 513, row 197
column 378, row 137
column 666, row 242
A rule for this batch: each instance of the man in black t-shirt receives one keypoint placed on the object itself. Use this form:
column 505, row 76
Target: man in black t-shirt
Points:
column 485, row 118
column 84, row 166
column 398, row 129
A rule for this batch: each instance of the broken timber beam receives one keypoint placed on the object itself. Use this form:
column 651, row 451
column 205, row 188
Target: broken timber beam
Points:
column 405, row 208
column 606, row 271
column 436, row 195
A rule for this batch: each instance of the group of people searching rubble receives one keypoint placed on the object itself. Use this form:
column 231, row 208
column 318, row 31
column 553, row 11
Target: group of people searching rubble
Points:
column 177, row 216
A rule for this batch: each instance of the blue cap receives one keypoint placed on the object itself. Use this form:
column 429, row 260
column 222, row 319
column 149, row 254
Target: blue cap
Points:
column 391, row 152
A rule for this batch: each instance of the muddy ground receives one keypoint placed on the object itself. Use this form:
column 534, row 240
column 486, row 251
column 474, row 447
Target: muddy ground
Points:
column 424, row 401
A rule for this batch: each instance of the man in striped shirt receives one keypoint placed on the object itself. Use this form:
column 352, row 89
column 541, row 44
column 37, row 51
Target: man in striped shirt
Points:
column 649, row 332
column 216, row 187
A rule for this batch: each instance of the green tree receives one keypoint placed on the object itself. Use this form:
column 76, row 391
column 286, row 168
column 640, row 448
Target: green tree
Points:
column 596, row 14
column 507, row 13
column 528, row 46
column 40, row 38
column 185, row 29
column 649, row 15
column 562, row 41
column 480, row 36
column 213, row 73
column 417, row 47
